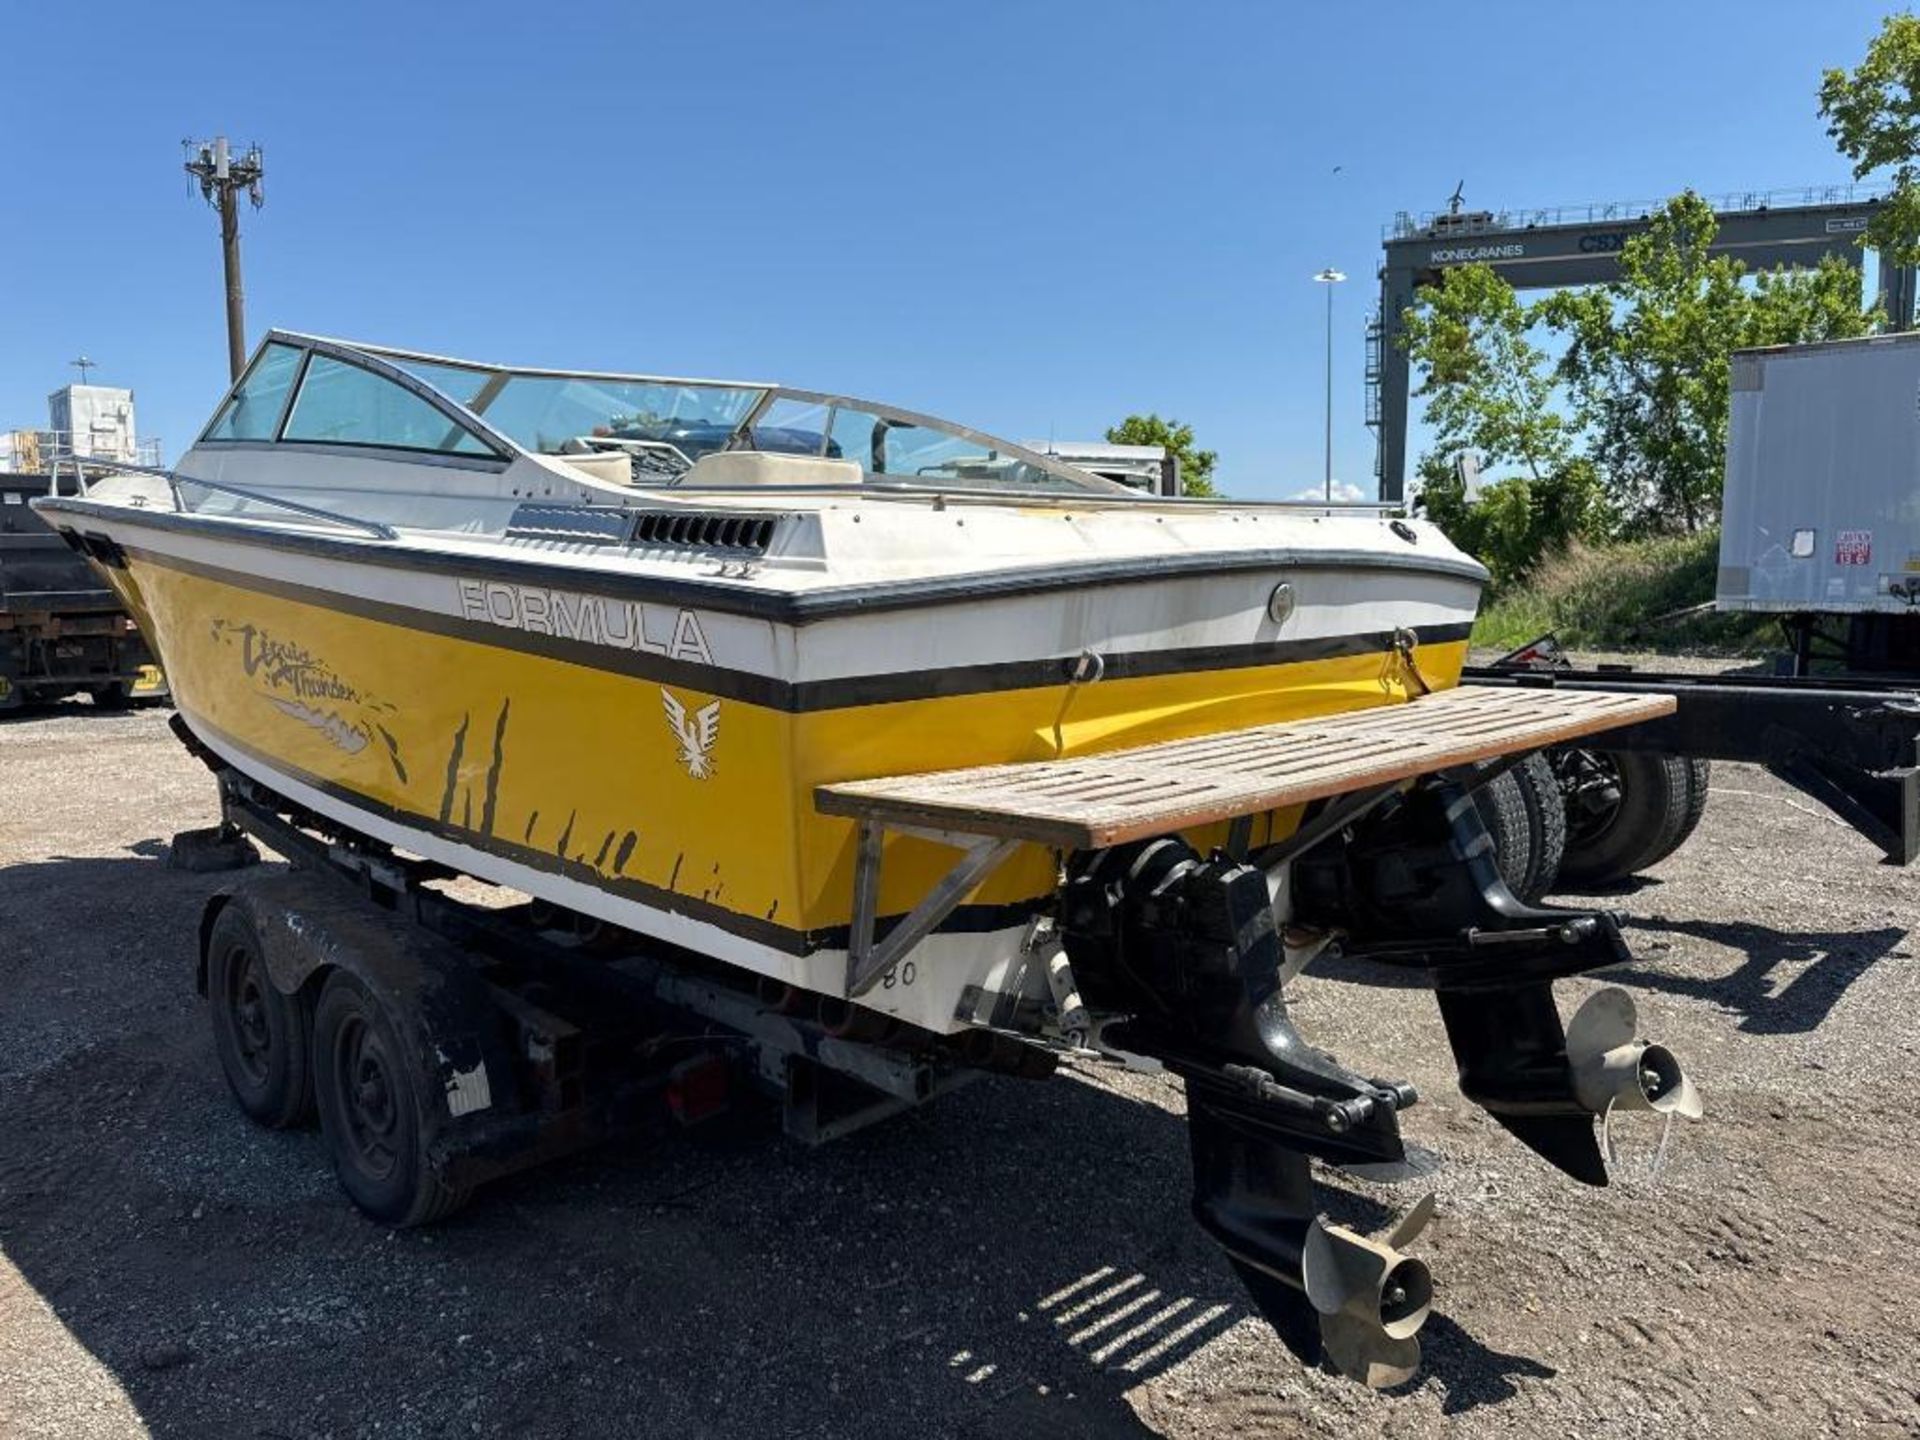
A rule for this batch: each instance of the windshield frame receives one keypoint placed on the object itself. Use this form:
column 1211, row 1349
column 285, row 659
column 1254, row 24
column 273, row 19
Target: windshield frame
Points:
column 395, row 364
column 1077, row 479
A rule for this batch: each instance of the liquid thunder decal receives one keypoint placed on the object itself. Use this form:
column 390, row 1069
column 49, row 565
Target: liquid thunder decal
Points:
column 305, row 688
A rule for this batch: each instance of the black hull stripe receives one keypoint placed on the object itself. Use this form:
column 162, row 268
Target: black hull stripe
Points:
column 967, row 920
column 812, row 695
column 783, row 607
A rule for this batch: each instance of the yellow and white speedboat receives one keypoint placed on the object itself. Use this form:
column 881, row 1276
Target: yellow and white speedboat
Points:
column 739, row 669
column 599, row 637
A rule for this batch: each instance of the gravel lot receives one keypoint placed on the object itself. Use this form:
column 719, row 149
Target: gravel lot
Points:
column 1015, row 1260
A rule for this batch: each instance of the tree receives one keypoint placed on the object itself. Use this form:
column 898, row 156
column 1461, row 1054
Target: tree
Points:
column 1490, row 389
column 1487, row 386
column 1627, row 432
column 1647, row 358
column 1196, row 466
column 1873, row 114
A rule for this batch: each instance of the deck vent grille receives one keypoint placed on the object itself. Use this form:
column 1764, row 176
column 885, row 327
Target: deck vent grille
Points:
column 704, row 530
column 596, row 524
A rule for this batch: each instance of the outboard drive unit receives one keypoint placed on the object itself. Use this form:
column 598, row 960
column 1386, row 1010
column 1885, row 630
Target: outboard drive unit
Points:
column 1189, row 949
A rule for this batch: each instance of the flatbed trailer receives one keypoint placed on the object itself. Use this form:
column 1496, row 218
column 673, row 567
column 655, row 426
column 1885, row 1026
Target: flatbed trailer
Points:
column 1849, row 741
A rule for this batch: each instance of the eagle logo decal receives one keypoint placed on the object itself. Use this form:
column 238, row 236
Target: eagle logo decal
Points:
column 696, row 735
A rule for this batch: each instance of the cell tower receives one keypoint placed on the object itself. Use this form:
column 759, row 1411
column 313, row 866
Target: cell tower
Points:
column 222, row 176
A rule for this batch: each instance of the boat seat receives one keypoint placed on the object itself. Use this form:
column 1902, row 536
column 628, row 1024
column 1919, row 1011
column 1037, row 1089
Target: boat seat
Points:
column 740, row 468
column 609, row 467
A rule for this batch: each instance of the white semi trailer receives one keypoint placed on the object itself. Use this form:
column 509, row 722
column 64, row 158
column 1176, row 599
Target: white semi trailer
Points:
column 1821, row 520
column 1821, row 527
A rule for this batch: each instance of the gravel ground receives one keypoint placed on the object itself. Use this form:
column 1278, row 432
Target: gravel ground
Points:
column 1014, row 1260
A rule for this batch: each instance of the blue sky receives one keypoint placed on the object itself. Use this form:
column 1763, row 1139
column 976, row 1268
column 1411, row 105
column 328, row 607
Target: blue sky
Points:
column 1034, row 217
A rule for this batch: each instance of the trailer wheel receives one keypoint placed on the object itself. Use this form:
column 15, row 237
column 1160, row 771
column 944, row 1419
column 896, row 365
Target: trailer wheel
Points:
column 369, row 1101
column 261, row 1036
column 114, row 695
column 1625, row 811
column 1503, row 810
column 1699, row 777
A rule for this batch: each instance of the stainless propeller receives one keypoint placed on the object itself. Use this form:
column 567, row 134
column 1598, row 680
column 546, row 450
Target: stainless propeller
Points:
column 1614, row 1069
column 1372, row 1298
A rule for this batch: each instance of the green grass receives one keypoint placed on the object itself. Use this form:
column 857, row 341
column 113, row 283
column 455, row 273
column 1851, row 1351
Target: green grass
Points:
column 1625, row 597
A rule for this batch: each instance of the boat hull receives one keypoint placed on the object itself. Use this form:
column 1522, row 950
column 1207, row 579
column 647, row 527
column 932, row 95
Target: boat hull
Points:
column 652, row 762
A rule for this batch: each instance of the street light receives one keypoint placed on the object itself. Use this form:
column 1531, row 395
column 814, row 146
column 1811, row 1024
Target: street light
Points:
column 1329, row 278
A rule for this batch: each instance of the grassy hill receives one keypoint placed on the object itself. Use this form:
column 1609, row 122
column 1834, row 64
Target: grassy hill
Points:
column 1638, row 595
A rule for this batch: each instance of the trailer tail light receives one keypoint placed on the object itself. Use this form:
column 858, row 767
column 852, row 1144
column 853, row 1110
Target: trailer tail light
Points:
column 697, row 1089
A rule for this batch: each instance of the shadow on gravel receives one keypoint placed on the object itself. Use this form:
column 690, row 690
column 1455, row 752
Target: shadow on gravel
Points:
column 1470, row 1373
column 1788, row 984
column 1790, row 980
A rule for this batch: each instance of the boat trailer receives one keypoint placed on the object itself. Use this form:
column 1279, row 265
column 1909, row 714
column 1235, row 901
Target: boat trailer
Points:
column 444, row 1043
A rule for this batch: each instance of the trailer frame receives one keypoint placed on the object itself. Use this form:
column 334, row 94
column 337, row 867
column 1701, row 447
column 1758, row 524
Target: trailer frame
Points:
column 584, row 1035
column 1850, row 742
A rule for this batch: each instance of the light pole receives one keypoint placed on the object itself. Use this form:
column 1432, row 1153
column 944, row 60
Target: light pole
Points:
column 222, row 176
column 1329, row 278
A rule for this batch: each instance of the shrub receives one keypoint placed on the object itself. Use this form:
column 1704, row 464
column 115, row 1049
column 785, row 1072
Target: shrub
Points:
column 1631, row 596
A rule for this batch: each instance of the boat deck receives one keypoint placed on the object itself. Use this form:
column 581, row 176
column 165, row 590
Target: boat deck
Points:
column 1091, row 802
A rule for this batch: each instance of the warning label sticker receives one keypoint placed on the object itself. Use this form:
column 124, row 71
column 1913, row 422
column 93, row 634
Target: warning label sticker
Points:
column 1853, row 547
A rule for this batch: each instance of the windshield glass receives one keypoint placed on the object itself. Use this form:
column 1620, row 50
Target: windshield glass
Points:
column 666, row 426
column 895, row 447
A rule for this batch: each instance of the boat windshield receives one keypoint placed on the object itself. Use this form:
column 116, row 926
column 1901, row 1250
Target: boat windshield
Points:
column 899, row 447
column 665, row 426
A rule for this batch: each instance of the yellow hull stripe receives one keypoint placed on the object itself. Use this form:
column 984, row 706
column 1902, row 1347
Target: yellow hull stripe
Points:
column 648, row 788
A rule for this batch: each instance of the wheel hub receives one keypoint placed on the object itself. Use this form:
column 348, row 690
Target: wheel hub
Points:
column 247, row 1010
column 366, row 1094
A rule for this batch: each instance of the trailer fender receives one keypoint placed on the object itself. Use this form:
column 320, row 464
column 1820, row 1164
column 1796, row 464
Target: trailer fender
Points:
column 209, row 916
column 310, row 926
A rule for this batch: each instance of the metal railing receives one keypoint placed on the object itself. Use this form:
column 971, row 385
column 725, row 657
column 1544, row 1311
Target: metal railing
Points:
column 81, row 464
column 1406, row 225
column 32, row 452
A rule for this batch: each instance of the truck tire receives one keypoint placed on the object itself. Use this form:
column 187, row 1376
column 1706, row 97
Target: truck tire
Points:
column 1503, row 810
column 263, row 1038
column 1699, row 776
column 1547, row 821
column 1626, row 811
column 114, row 695
column 368, row 1094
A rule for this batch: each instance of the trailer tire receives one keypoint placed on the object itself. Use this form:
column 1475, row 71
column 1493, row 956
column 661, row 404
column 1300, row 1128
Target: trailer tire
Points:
column 263, row 1038
column 114, row 695
column 1699, row 778
column 1503, row 810
column 365, row 1087
column 1645, row 824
